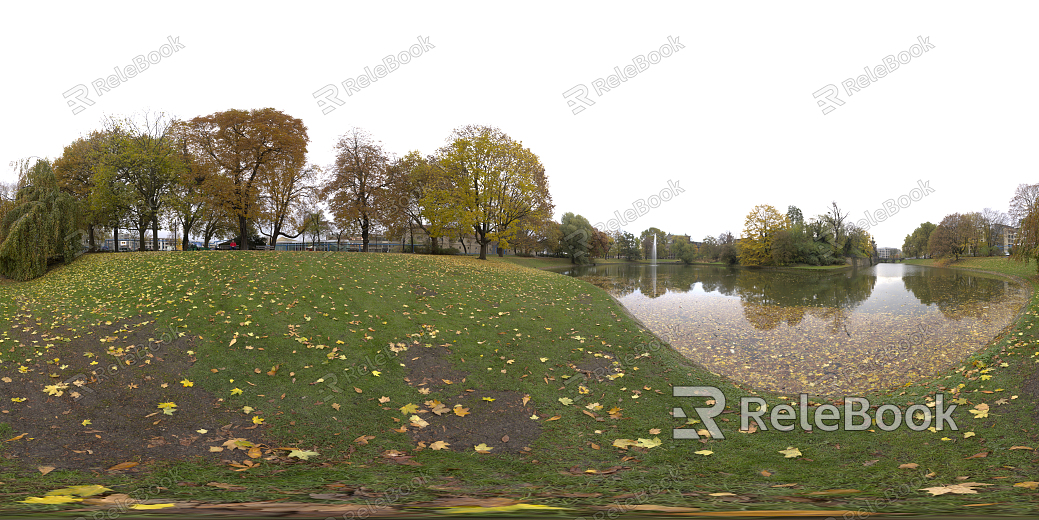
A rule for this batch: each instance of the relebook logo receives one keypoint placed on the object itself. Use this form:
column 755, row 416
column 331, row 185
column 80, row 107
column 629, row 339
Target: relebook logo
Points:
column 853, row 416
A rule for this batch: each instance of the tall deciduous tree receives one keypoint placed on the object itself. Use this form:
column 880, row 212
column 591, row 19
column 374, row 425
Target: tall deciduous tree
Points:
column 358, row 189
column 75, row 171
column 646, row 241
column 835, row 219
column 759, row 231
column 145, row 158
column 244, row 147
column 577, row 237
column 283, row 189
column 494, row 184
column 949, row 238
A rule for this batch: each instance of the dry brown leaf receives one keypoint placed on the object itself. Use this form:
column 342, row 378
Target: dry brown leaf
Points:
column 967, row 488
column 910, row 465
column 45, row 469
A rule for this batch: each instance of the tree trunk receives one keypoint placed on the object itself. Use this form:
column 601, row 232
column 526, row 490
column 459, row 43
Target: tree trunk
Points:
column 365, row 224
column 90, row 234
column 481, row 237
column 155, row 232
column 184, row 241
column 501, row 251
column 115, row 238
column 242, row 233
column 142, row 232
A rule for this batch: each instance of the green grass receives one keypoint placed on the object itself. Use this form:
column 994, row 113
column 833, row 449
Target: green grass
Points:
column 500, row 318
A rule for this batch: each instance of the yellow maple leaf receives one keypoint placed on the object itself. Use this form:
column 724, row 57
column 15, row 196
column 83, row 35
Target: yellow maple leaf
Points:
column 257, row 419
column 790, row 452
column 152, row 506
column 409, row 408
column 649, row 443
column 439, row 445
column 703, row 452
column 482, row 448
column 51, row 499
column 980, row 411
column 187, row 383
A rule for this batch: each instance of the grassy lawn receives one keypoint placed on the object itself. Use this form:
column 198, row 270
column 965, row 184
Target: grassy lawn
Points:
column 257, row 376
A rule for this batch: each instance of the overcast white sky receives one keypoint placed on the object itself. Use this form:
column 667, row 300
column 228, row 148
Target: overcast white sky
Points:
column 730, row 117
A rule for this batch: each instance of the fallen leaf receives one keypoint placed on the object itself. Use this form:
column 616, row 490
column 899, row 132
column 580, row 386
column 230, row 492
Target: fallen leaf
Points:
column 86, row 490
column 482, row 448
column 152, row 506
column 708, row 452
column 439, row 445
column 980, row 411
column 790, row 452
column 967, row 488
column 1031, row 484
column 122, row 465
column 911, row 465
column 51, row 499
column 303, row 455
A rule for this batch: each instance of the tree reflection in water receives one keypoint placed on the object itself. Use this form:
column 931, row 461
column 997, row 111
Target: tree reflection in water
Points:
column 820, row 332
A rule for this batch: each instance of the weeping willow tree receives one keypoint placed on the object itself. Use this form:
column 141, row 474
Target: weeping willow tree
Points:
column 40, row 227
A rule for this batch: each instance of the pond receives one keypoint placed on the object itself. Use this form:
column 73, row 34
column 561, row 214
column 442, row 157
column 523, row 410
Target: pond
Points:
column 820, row 332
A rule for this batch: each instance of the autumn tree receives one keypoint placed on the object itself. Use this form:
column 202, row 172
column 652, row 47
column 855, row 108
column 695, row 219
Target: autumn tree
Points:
column 834, row 218
column 243, row 147
column 993, row 223
column 601, row 242
column 493, row 183
column 577, row 237
column 358, row 189
column 627, row 245
column 949, row 238
column 143, row 155
column 1024, row 200
column 727, row 251
column 40, row 227
column 1024, row 210
column 418, row 198
column 75, row 171
column 646, row 242
column 915, row 244
column 280, row 191
column 759, row 230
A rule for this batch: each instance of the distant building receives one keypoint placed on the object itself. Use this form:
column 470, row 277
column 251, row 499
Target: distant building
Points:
column 888, row 252
column 1009, row 239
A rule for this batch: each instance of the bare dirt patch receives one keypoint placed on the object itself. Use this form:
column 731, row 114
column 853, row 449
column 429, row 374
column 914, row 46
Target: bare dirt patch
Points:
column 499, row 419
column 84, row 403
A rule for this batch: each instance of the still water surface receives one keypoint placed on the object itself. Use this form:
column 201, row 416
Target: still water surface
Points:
column 819, row 332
